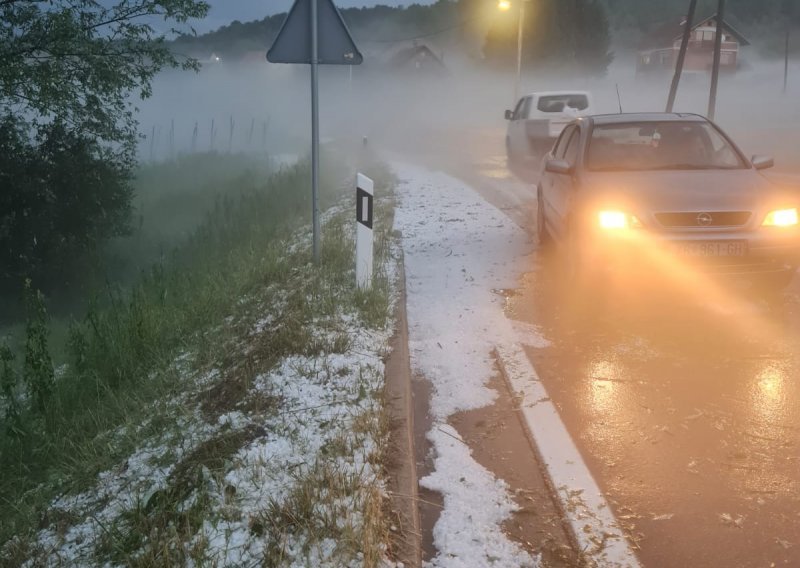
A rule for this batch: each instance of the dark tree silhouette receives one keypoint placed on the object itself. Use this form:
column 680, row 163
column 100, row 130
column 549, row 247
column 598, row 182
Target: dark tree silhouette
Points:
column 67, row 129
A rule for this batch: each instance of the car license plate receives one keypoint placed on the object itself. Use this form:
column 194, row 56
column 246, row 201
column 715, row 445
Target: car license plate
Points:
column 701, row 249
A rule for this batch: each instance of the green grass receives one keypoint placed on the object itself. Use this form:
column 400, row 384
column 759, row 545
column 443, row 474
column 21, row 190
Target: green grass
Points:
column 121, row 355
column 121, row 374
column 172, row 200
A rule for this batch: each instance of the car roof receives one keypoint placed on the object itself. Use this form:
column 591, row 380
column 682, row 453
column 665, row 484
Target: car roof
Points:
column 558, row 93
column 621, row 118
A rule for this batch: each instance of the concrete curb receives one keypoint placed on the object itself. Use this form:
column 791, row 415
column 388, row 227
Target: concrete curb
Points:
column 403, row 483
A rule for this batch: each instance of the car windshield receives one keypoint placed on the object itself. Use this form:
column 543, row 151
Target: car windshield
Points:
column 660, row 146
column 557, row 103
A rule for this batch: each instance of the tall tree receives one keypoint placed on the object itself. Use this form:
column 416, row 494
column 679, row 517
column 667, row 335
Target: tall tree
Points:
column 67, row 126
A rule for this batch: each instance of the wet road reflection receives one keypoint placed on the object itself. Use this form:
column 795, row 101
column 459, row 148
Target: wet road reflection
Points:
column 684, row 404
column 494, row 167
column 686, row 410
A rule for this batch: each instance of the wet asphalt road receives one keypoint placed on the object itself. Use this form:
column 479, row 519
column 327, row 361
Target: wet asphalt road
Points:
column 684, row 401
column 686, row 412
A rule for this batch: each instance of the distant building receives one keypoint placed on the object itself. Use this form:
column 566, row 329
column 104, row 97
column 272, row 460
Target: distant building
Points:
column 418, row 58
column 660, row 48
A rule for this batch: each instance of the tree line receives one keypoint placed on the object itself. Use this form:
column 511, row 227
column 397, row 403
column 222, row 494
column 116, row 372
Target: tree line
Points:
column 580, row 32
column 627, row 14
column 576, row 31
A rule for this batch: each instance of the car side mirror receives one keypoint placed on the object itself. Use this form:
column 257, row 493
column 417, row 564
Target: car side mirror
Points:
column 561, row 167
column 762, row 162
column 509, row 115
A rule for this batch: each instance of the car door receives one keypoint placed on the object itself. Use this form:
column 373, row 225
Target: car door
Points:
column 517, row 129
column 557, row 188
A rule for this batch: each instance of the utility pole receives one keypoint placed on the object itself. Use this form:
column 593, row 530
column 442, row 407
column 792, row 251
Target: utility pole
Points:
column 520, row 33
column 786, row 65
column 712, row 99
column 687, row 32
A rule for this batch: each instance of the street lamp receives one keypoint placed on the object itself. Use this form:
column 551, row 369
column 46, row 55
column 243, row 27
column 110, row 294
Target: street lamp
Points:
column 505, row 6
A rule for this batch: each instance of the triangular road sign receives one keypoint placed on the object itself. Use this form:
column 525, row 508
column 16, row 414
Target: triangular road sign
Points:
column 293, row 44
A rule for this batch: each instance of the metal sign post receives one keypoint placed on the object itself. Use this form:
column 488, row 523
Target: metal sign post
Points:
column 314, row 33
column 315, row 128
column 364, row 234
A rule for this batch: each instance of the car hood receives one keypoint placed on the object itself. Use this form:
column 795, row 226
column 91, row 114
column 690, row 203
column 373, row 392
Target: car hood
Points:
column 682, row 191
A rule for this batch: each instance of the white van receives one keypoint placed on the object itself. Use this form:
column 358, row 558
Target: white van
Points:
column 538, row 120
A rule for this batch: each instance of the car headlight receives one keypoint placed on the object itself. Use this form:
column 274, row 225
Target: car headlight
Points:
column 781, row 218
column 617, row 220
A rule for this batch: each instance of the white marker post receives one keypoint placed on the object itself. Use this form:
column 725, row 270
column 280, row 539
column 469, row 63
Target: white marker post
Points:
column 364, row 235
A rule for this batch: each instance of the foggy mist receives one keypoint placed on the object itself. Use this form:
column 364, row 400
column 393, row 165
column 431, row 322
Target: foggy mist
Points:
column 397, row 110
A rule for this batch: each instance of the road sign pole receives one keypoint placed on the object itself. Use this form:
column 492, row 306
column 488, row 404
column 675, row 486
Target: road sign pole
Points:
column 315, row 127
column 299, row 43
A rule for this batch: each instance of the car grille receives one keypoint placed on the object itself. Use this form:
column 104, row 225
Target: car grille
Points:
column 702, row 219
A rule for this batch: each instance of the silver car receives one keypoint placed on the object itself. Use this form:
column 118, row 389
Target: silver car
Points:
column 669, row 193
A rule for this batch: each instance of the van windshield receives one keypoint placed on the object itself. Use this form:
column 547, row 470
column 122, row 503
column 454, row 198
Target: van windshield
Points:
column 557, row 103
column 660, row 146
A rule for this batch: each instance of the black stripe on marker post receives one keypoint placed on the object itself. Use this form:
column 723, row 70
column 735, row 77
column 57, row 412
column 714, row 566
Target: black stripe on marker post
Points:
column 364, row 208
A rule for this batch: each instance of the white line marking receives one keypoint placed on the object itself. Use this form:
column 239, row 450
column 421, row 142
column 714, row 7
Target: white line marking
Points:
column 593, row 523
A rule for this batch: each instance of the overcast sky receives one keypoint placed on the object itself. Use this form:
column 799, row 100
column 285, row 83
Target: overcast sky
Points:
column 225, row 11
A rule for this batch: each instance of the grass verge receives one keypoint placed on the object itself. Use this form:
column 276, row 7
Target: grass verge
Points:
column 185, row 334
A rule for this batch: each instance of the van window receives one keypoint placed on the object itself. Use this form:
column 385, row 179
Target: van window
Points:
column 557, row 103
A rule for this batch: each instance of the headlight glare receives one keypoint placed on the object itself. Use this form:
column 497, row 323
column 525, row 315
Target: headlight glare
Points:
column 617, row 220
column 782, row 218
